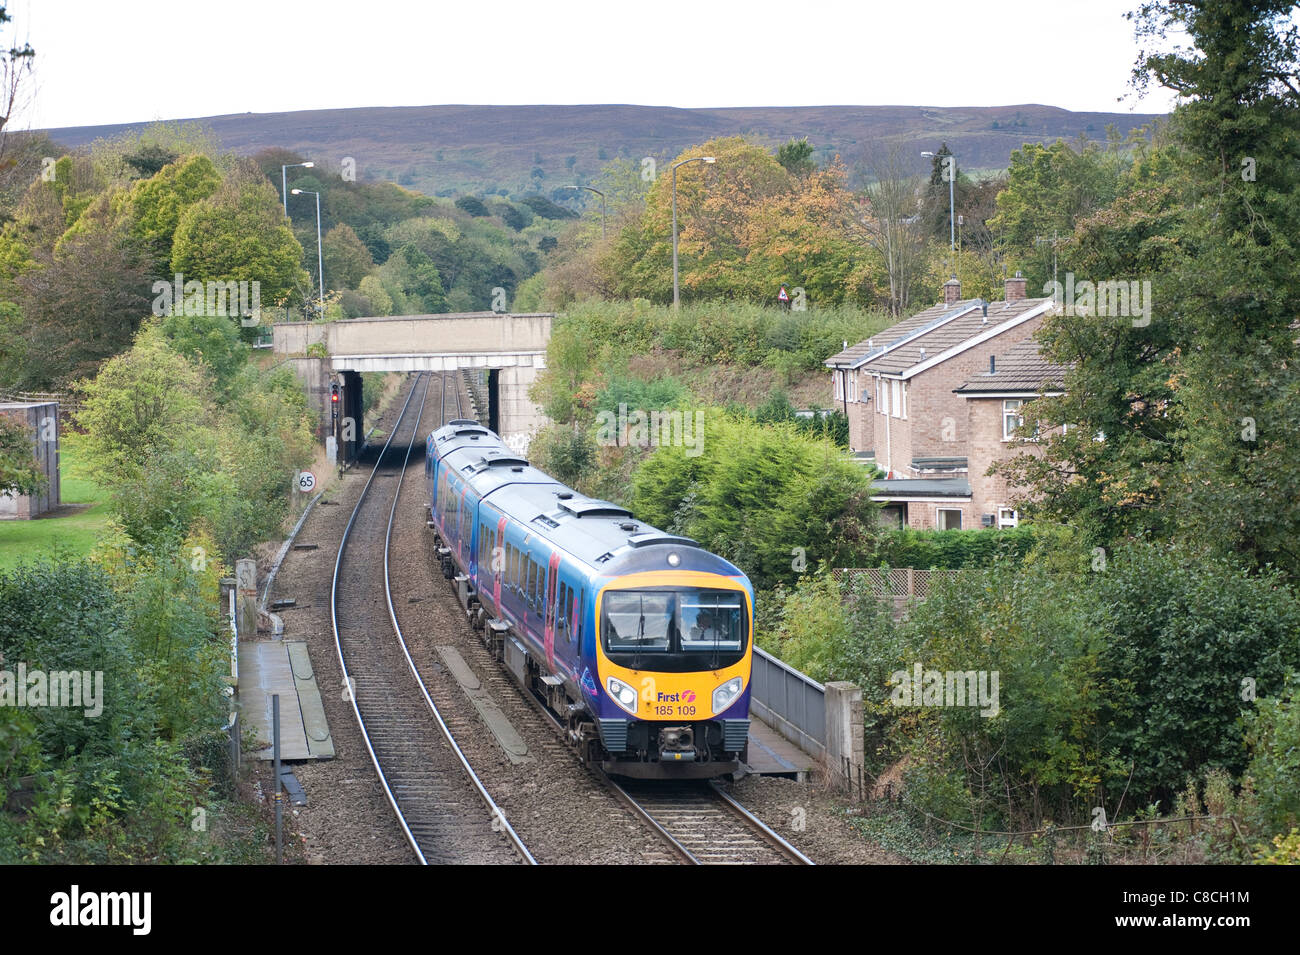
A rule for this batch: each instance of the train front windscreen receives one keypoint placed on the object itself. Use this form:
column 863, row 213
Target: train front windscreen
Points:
column 674, row 631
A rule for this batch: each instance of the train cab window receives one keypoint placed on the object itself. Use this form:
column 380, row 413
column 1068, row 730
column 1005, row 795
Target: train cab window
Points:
column 710, row 619
column 638, row 621
column 674, row 630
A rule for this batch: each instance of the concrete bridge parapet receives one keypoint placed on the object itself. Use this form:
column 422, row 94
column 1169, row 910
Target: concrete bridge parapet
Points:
column 511, row 347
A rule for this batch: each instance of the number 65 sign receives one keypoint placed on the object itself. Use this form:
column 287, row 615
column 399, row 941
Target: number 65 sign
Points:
column 306, row 481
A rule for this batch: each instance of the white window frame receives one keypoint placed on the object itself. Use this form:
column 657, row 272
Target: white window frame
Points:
column 895, row 403
column 904, row 405
column 1009, row 405
column 853, row 387
column 838, row 378
column 884, row 396
column 1006, row 522
column 940, row 510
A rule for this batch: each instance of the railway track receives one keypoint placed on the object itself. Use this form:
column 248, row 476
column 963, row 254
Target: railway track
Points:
column 706, row 826
column 701, row 823
column 443, row 808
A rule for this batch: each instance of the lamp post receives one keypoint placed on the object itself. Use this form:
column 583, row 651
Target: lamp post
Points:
column 684, row 162
column 602, row 207
column 952, row 220
column 284, row 181
column 320, row 251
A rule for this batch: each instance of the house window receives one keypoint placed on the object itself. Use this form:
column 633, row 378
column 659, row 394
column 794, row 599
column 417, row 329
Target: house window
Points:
column 948, row 519
column 893, row 516
column 904, row 397
column 895, row 402
column 1011, row 418
column 1008, row 517
column 853, row 388
column 883, row 391
column 838, row 379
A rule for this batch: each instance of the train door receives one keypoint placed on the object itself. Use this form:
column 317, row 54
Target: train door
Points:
column 498, row 564
column 551, row 600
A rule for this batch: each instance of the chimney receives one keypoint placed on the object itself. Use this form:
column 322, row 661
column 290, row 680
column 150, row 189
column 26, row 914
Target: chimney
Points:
column 1015, row 288
column 952, row 291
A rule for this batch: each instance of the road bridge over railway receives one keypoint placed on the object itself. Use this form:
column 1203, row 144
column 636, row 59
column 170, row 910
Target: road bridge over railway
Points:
column 509, row 348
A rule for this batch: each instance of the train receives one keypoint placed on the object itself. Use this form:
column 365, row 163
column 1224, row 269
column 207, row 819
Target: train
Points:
column 638, row 641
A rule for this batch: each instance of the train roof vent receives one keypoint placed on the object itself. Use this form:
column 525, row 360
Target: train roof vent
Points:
column 497, row 459
column 462, row 422
column 545, row 521
column 586, row 507
column 659, row 537
column 564, row 495
column 604, row 557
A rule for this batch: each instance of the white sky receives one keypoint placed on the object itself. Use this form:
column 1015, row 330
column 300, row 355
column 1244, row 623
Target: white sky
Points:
column 136, row 60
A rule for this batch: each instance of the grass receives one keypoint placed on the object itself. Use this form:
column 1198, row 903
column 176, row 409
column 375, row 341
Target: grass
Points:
column 73, row 534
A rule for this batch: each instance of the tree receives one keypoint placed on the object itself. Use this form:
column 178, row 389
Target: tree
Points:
column 157, row 204
column 82, row 302
column 1049, row 190
column 797, row 157
column 471, row 205
column 15, row 72
column 889, row 223
column 1115, row 471
column 1236, row 285
column 347, row 260
column 19, row 472
column 239, row 234
column 146, row 403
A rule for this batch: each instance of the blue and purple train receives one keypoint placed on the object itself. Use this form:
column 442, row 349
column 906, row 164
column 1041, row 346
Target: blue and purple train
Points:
column 639, row 641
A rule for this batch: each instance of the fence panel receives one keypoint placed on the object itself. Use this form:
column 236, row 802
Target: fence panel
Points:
column 788, row 701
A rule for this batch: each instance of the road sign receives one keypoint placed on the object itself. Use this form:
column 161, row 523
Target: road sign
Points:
column 783, row 295
column 306, row 481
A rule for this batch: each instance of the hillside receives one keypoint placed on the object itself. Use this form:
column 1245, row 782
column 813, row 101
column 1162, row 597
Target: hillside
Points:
column 515, row 149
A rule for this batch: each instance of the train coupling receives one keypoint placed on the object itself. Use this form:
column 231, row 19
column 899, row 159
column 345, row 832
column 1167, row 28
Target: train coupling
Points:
column 677, row 744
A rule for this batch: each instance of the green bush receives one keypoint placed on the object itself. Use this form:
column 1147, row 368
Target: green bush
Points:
column 1183, row 631
column 953, row 550
column 767, row 498
column 112, row 786
column 1273, row 737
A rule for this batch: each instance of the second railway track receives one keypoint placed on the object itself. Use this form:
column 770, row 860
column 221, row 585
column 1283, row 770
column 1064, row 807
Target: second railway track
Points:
column 443, row 808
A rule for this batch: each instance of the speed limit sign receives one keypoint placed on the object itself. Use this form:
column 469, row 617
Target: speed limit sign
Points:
column 306, row 481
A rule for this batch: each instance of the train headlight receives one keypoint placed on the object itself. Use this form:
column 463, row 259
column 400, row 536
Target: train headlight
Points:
column 726, row 694
column 623, row 694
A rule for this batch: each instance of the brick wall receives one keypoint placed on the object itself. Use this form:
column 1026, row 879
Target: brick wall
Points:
column 984, row 424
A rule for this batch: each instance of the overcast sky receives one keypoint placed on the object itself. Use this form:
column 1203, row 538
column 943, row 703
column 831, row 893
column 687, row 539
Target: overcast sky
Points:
column 135, row 60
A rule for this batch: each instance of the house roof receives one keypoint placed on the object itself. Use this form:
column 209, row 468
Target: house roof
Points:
column 939, row 330
column 904, row 488
column 1021, row 368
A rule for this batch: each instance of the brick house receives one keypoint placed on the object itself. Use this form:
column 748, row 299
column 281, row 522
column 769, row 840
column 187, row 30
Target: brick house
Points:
column 900, row 392
column 995, row 399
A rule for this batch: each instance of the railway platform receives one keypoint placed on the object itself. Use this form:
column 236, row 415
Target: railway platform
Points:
column 268, row 667
column 771, row 754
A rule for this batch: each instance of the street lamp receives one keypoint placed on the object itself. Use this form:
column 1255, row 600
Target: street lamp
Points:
column 602, row 207
column 684, row 162
column 952, row 222
column 284, row 182
column 320, row 252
